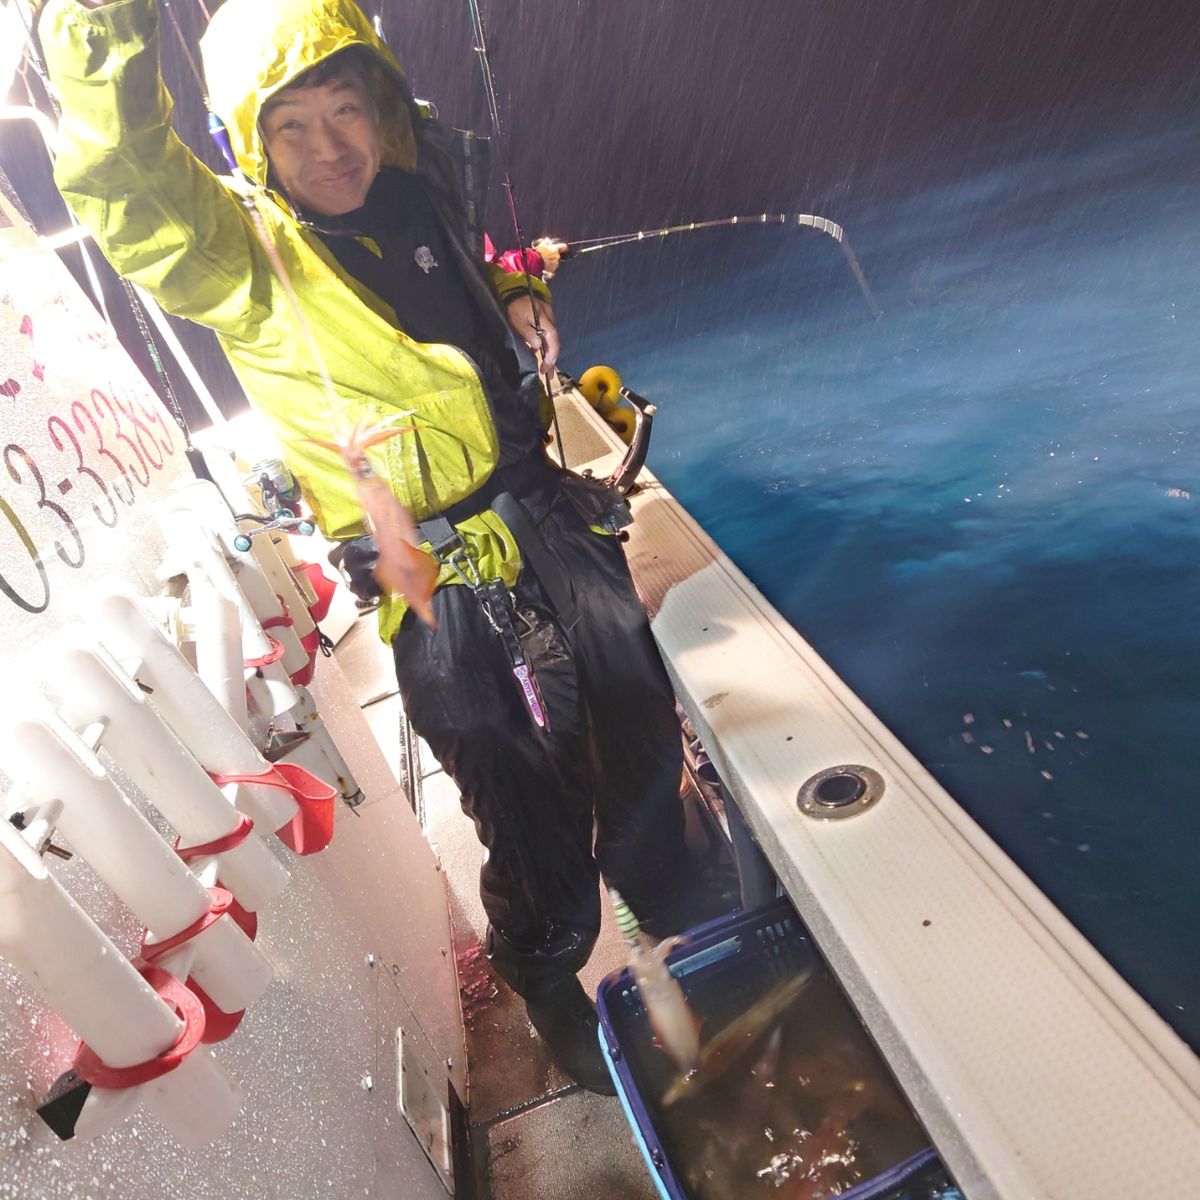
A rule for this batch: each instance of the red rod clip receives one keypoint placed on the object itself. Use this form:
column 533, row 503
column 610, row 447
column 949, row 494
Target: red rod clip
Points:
column 219, row 903
column 191, row 1012
column 284, row 620
column 311, row 643
column 272, row 656
column 228, row 841
column 311, row 829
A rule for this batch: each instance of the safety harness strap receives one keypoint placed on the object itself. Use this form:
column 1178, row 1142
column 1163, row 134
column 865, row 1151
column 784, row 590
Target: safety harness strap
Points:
column 546, row 567
column 495, row 599
column 441, row 535
column 447, row 545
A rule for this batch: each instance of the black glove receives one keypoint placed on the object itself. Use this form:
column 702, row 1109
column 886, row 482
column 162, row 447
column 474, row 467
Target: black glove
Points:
column 356, row 561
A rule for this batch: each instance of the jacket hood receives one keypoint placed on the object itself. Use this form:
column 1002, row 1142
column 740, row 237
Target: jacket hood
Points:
column 253, row 48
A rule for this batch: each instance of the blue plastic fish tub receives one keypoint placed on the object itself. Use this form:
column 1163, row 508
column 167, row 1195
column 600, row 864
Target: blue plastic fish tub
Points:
column 726, row 964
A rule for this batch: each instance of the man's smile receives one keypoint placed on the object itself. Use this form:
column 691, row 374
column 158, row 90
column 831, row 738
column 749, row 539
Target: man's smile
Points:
column 349, row 175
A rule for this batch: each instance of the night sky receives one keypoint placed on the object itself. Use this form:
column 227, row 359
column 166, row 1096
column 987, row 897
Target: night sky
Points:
column 623, row 114
column 628, row 114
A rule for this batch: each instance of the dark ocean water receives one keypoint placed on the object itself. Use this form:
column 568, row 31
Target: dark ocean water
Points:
column 977, row 508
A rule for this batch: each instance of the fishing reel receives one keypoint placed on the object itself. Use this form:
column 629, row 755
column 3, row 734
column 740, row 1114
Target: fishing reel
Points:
column 277, row 487
column 281, row 522
column 280, row 497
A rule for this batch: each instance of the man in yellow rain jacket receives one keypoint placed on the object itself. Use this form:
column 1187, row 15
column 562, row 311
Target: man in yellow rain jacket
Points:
column 358, row 194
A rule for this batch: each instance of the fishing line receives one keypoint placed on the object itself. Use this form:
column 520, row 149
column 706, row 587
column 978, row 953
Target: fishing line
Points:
column 251, row 199
column 187, row 52
column 806, row 220
column 250, row 195
column 489, row 87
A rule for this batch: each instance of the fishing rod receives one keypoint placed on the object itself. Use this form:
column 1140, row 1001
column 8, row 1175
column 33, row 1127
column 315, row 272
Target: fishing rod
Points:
column 588, row 245
column 804, row 220
column 489, row 87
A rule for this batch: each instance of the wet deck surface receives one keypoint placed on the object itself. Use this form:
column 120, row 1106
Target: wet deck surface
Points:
column 535, row 1135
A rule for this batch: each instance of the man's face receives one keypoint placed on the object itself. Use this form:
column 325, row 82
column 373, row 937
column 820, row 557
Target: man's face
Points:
column 323, row 144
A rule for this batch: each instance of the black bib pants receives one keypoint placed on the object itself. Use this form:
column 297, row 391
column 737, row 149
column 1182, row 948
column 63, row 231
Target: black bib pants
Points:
column 598, row 791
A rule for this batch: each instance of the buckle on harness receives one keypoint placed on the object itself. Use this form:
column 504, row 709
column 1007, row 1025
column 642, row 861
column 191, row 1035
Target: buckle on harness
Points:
column 448, row 547
column 497, row 603
column 441, row 536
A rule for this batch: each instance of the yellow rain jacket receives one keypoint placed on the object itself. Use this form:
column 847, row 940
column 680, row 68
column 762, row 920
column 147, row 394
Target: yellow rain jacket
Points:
column 167, row 223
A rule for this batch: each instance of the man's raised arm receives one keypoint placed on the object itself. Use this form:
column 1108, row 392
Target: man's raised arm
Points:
column 160, row 216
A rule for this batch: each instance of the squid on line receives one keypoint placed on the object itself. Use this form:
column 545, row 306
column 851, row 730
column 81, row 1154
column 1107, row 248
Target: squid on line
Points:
column 729, row 1046
column 402, row 568
column 675, row 1025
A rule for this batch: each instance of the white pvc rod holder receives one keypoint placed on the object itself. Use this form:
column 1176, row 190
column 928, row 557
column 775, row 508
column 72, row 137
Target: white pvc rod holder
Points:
column 67, row 961
column 265, row 548
column 264, row 602
column 170, row 778
column 285, row 547
column 221, row 460
column 216, row 620
column 269, row 688
column 200, row 532
column 320, row 753
column 197, row 1102
column 46, row 760
column 195, row 714
column 206, row 501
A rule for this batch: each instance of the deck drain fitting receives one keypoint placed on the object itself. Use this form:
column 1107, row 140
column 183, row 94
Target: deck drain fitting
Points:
column 840, row 792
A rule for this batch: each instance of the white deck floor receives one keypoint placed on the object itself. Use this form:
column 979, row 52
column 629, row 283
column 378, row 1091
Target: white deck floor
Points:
column 535, row 1135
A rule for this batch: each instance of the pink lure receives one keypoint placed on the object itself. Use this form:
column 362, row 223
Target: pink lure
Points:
column 402, row 569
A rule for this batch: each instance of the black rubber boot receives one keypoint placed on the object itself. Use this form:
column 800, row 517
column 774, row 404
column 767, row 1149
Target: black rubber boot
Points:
column 566, row 1021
